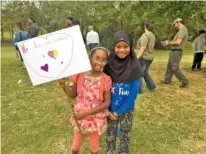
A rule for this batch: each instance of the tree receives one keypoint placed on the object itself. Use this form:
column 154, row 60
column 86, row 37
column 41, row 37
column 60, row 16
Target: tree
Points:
column 107, row 17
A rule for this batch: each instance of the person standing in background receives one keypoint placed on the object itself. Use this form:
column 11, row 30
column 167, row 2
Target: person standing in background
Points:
column 33, row 30
column 77, row 22
column 92, row 38
column 145, row 48
column 198, row 48
column 177, row 46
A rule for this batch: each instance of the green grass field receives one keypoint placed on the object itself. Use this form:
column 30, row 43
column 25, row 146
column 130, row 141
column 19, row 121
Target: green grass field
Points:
column 168, row 121
column 7, row 36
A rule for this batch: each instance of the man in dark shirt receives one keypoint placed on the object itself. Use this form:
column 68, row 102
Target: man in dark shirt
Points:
column 33, row 30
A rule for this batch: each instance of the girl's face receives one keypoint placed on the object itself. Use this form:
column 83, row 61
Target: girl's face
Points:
column 98, row 60
column 122, row 49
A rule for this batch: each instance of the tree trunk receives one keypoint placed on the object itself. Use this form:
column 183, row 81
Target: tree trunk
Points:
column 12, row 33
column 122, row 22
column 2, row 34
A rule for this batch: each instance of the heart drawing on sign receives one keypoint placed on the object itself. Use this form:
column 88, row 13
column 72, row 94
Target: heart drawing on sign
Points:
column 45, row 67
column 53, row 54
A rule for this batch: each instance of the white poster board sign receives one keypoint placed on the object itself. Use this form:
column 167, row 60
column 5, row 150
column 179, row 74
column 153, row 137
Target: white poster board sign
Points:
column 55, row 55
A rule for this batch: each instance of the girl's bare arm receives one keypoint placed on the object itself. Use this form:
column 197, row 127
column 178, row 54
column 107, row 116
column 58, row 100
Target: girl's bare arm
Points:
column 103, row 106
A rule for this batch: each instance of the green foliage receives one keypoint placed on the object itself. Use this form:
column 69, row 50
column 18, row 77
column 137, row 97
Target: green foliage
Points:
column 107, row 17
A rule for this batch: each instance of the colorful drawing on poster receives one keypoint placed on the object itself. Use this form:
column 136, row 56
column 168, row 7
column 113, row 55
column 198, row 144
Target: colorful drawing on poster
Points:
column 23, row 48
column 53, row 54
column 45, row 68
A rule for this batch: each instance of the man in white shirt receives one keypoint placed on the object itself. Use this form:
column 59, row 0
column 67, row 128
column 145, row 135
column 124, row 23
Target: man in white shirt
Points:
column 92, row 38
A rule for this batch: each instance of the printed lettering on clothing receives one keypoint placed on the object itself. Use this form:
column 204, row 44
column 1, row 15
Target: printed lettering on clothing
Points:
column 123, row 92
column 112, row 90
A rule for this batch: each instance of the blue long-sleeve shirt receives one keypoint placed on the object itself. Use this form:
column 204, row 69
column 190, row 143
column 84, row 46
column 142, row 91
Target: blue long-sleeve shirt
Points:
column 124, row 96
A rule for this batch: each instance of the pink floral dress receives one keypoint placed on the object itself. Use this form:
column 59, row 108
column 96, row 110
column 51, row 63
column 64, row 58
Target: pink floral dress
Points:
column 88, row 98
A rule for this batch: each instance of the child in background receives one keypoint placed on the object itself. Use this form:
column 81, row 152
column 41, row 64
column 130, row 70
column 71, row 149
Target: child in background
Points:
column 92, row 91
column 125, row 70
column 198, row 47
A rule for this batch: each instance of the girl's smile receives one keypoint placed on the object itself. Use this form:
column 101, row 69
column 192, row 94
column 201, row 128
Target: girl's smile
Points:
column 122, row 49
column 98, row 60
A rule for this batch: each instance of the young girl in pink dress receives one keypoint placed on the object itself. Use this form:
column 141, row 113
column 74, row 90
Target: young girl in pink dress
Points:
column 92, row 92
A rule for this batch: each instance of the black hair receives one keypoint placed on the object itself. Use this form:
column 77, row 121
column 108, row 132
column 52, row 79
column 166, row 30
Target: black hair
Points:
column 70, row 18
column 202, row 32
column 93, row 51
column 75, row 22
column 182, row 22
column 149, row 25
column 32, row 19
